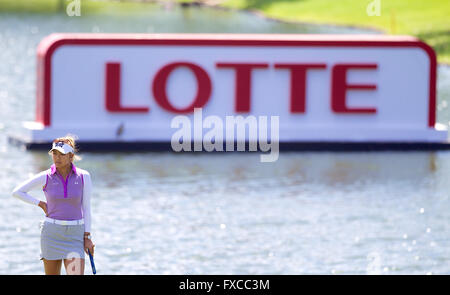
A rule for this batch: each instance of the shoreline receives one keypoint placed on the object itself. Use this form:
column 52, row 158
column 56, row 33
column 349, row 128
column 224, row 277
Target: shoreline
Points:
column 260, row 14
column 217, row 4
column 95, row 7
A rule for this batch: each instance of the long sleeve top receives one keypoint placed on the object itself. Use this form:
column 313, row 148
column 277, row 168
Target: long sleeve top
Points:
column 67, row 199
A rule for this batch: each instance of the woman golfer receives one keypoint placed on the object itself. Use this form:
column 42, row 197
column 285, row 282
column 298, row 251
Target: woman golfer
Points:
column 65, row 232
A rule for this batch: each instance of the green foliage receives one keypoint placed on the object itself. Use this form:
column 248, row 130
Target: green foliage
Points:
column 428, row 20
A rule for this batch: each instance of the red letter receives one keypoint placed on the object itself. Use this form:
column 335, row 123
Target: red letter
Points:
column 243, row 83
column 298, row 83
column 203, row 90
column 112, row 92
column 339, row 88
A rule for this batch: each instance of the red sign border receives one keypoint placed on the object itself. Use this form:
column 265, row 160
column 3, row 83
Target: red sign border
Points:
column 51, row 43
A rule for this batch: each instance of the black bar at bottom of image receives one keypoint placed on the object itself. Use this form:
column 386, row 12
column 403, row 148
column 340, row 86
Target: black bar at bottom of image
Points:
column 234, row 284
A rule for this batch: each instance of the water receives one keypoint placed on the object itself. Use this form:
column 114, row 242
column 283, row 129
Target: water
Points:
column 167, row 213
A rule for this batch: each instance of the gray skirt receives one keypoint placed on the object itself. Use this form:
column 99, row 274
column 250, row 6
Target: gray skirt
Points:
column 61, row 241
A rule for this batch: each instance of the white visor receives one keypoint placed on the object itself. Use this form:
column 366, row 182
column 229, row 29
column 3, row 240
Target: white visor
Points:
column 62, row 147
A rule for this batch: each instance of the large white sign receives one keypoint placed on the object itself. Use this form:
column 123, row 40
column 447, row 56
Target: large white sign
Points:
column 323, row 88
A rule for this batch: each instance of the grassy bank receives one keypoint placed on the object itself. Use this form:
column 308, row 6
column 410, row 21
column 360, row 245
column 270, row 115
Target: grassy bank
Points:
column 428, row 20
column 86, row 7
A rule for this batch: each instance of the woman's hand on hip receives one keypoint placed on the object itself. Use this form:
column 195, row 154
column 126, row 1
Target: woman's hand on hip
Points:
column 43, row 205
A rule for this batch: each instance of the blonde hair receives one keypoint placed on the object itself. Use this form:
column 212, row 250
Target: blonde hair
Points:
column 70, row 140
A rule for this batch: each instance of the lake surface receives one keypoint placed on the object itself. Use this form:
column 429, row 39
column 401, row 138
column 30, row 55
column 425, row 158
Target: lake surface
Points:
column 227, row 213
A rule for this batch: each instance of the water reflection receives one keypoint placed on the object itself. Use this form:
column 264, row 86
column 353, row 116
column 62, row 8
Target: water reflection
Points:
column 228, row 213
column 350, row 170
